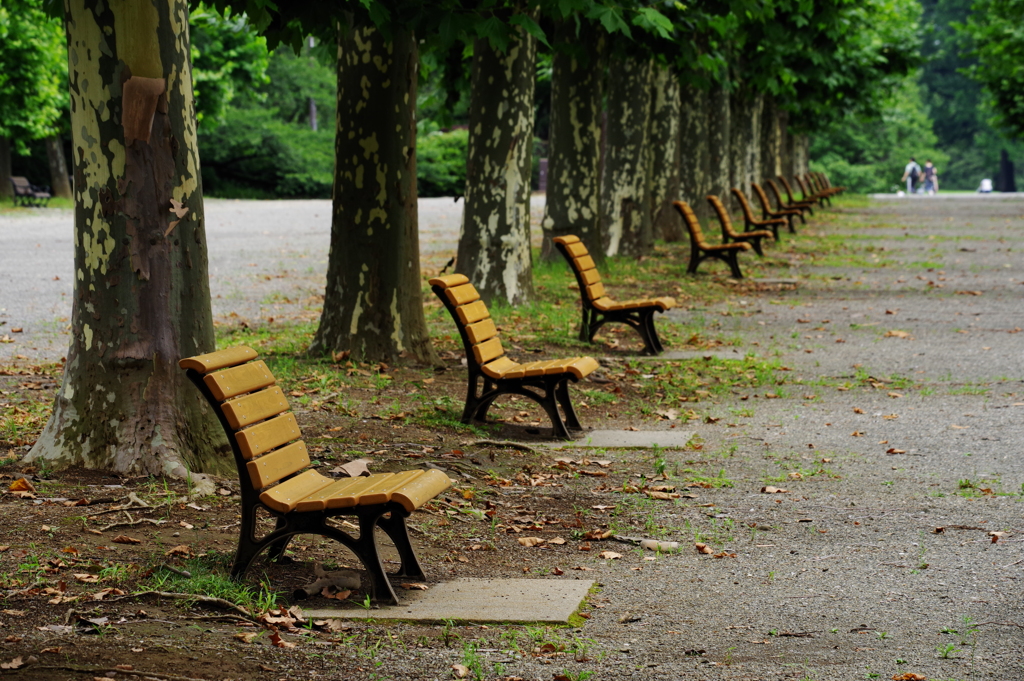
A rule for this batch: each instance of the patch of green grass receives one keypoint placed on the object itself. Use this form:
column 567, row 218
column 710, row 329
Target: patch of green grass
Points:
column 970, row 389
column 210, row 577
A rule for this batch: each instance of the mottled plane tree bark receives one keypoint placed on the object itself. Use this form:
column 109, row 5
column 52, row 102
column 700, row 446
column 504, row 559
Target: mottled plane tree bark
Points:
column 625, row 207
column 573, row 205
column 719, row 142
column 664, row 158
column 770, row 139
column 60, row 185
column 694, row 151
column 141, row 298
column 373, row 304
column 494, row 245
column 785, row 144
column 745, row 123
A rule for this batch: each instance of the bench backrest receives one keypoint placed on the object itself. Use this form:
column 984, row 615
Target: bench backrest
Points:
column 748, row 211
column 255, row 413
column 789, row 189
column 723, row 217
column 692, row 224
column 778, row 195
column 587, row 276
column 803, row 187
column 479, row 334
column 22, row 187
column 763, row 198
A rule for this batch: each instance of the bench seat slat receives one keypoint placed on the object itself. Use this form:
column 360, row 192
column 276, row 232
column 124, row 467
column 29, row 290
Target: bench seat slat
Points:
column 342, row 493
column 238, row 380
column 243, row 411
column 286, row 496
column 576, row 249
column 350, row 495
column 662, row 303
column 585, row 263
column 380, row 493
column 280, row 463
column 498, row 367
column 212, row 361
column 417, row 492
column 590, row 276
column 595, row 291
column 268, row 435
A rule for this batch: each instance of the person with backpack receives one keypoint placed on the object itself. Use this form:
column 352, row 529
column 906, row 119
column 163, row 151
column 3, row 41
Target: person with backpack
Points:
column 911, row 174
column 931, row 178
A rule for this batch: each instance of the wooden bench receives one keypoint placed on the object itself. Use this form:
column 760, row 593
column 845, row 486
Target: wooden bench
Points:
column 768, row 212
column 818, row 183
column 28, row 194
column 544, row 382
column 599, row 309
column 700, row 249
column 274, row 476
column 812, row 194
column 800, row 206
column 750, row 223
column 806, row 200
column 730, row 235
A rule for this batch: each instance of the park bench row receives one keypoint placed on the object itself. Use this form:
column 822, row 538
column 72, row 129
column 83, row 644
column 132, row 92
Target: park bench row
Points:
column 275, row 473
column 815, row 190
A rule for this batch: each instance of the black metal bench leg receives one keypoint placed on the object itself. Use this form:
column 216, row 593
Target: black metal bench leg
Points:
column 732, row 259
column 277, row 548
column 562, row 395
column 472, row 402
column 652, row 333
column 366, row 550
column 394, row 526
column 756, row 243
column 694, row 260
column 585, row 333
column 551, row 407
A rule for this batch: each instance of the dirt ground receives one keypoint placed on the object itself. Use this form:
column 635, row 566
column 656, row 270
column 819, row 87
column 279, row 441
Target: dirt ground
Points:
column 849, row 507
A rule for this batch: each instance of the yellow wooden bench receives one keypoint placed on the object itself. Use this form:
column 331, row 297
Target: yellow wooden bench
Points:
column 28, row 194
column 274, row 474
column 599, row 309
column 801, row 206
column 751, row 223
column 826, row 184
column 768, row 212
column 730, row 235
column 544, row 382
column 812, row 194
column 700, row 249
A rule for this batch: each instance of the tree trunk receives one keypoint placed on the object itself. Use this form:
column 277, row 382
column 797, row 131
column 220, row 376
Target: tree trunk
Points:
column 801, row 146
column 663, row 174
column 373, row 304
column 785, row 145
column 625, row 207
column 572, row 205
column 59, row 184
column 494, row 246
column 6, row 191
column 695, row 153
column 719, row 142
column 745, row 152
column 756, row 127
column 142, row 297
column 770, row 135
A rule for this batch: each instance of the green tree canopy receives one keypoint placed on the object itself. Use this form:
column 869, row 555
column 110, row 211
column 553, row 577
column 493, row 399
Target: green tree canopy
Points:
column 996, row 30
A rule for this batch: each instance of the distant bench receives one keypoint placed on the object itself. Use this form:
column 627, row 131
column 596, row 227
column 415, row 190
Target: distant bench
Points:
column 272, row 472
column 28, row 194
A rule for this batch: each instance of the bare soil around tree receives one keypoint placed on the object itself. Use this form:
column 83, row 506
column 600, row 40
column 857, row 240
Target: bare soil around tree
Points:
column 849, row 506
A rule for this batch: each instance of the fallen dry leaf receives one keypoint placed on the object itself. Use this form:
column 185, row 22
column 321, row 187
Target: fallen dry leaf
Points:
column 895, row 333
column 609, row 555
column 124, row 539
column 21, row 485
column 103, row 593
column 909, row 676
column 414, row 586
column 773, row 490
column 530, row 541
column 893, row 450
column 703, row 548
column 86, row 578
column 181, row 550
column 857, row 433
column 276, row 639
column 667, row 496
column 895, row 395
column 460, row 671
column 13, row 664
column 858, row 410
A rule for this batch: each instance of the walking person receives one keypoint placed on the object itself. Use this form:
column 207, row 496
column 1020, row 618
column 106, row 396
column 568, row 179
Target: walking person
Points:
column 931, row 178
column 911, row 174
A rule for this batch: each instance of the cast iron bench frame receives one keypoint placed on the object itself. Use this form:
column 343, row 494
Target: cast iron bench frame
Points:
column 700, row 249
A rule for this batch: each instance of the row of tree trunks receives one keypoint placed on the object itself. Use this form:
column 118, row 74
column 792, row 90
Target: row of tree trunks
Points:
column 694, row 149
column 494, row 246
column 625, row 210
column 770, row 139
column 664, row 156
column 141, row 299
column 373, row 304
column 746, row 138
column 574, row 188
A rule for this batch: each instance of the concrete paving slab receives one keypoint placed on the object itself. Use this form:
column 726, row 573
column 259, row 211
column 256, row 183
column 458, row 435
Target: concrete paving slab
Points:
column 675, row 438
column 736, row 353
column 479, row 600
